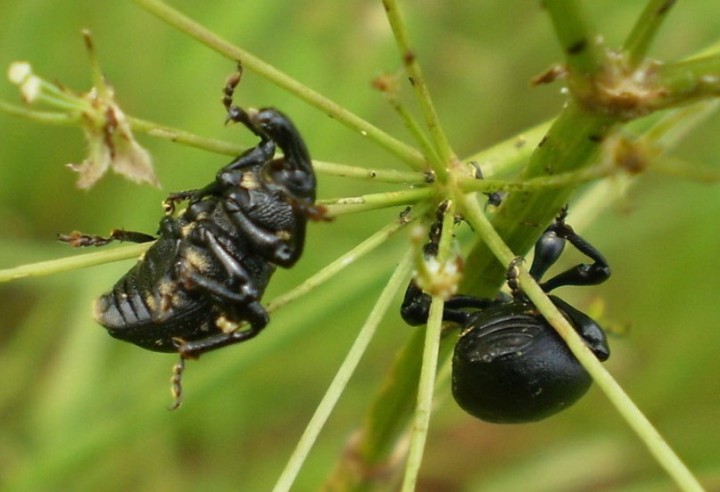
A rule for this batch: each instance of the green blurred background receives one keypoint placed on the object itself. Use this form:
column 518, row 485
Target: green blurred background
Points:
column 81, row 411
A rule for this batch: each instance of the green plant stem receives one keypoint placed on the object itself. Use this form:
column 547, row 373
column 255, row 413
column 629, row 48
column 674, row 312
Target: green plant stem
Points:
column 185, row 138
column 364, row 173
column 412, row 67
column 416, row 131
column 644, row 31
column 428, row 370
column 188, row 26
column 73, row 262
column 219, row 146
column 581, row 46
column 686, row 81
column 345, row 371
column 426, row 386
column 369, row 457
column 512, row 153
column 341, row 206
column 44, row 117
column 675, row 125
column 571, row 178
column 645, row 431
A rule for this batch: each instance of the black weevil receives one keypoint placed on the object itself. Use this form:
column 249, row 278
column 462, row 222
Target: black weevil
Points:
column 509, row 364
column 203, row 278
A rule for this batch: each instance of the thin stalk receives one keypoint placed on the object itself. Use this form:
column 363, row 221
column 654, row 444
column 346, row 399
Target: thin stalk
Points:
column 345, row 371
column 219, row 146
column 581, row 46
column 412, row 67
column 249, row 61
column 364, row 173
column 135, row 250
column 45, row 117
column 416, row 131
column 55, row 96
column 571, row 178
column 136, row 124
column 185, row 138
column 643, row 33
column 660, row 138
column 426, row 387
column 373, row 453
column 648, row 435
column 428, row 370
column 341, row 206
column 73, row 262
column 512, row 153
column 676, row 124
column 686, row 81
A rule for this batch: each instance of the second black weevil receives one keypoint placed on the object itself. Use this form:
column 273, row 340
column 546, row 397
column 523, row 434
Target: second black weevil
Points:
column 509, row 364
column 203, row 279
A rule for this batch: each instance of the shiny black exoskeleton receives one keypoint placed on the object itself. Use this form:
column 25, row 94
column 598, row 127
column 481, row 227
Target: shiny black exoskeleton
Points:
column 509, row 364
column 204, row 277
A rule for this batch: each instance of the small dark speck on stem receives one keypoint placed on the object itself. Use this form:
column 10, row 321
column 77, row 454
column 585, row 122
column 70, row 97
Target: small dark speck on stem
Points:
column 577, row 47
column 665, row 7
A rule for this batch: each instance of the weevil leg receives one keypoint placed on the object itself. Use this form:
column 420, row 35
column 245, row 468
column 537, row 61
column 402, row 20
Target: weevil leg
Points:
column 77, row 239
column 176, row 384
column 213, row 252
column 586, row 327
column 583, row 273
column 254, row 313
column 415, row 307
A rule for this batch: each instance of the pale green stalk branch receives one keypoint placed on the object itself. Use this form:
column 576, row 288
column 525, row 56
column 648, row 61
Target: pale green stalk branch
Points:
column 686, row 81
column 218, row 146
column 342, row 206
column 428, row 371
column 512, row 153
column 643, row 33
column 185, row 138
column 677, row 124
column 45, row 117
column 416, row 131
column 73, row 262
column 426, row 387
column 345, row 371
column 648, row 435
column 571, row 178
column 412, row 67
column 249, row 61
column 364, row 173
